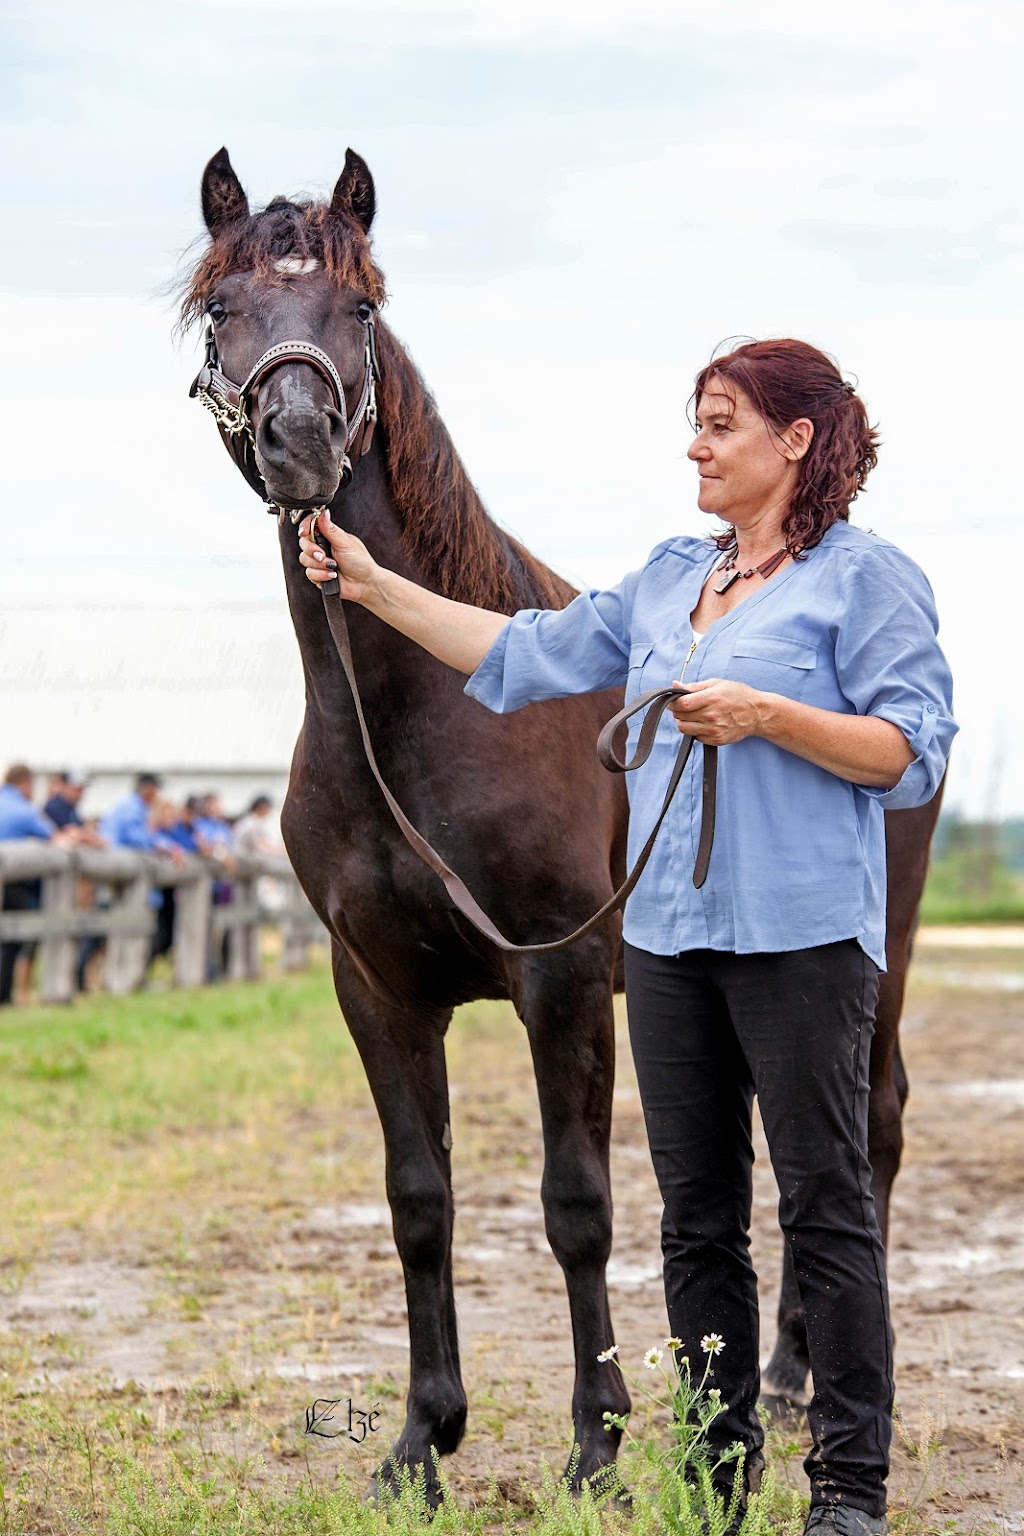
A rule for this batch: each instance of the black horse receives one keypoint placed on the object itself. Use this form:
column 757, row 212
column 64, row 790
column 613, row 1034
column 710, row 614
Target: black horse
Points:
column 517, row 805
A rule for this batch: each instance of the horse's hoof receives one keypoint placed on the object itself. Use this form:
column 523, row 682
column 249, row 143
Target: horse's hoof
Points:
column 386, row 1486
column 605, row 1484
column 783, row 1408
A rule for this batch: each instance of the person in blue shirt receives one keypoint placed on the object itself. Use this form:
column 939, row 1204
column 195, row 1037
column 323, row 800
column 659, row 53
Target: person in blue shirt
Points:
column 19, row 819
column 132, row 823
column 62, row 801
column 810, row 651
column 128, row 823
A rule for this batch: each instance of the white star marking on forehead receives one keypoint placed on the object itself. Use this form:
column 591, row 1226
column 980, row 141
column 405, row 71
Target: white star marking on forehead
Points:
column 295, row 266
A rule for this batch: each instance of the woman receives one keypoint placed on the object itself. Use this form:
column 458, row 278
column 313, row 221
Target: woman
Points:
column 809, row 649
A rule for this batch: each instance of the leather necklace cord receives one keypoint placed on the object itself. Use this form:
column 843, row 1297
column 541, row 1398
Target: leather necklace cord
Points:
column 655, row 702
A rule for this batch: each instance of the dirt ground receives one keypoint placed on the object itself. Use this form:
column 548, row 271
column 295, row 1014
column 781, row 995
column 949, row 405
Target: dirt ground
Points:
column 309, row 1304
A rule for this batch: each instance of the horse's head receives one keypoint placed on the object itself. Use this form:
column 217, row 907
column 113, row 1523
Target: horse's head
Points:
column 299, row 273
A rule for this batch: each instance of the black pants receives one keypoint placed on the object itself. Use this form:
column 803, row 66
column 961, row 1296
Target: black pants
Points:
column 19, row 896
column 709, row 1030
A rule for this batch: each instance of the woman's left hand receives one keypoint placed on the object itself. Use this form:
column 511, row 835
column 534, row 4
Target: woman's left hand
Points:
column 718, row 712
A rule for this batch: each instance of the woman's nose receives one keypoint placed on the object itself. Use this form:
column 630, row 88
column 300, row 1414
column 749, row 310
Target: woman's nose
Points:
column 698, row 449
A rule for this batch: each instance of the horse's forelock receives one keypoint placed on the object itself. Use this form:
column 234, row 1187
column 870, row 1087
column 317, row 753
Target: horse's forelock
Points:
column 257, row 242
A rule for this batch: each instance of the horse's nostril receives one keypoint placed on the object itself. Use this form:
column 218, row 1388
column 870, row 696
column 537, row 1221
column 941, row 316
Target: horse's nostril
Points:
column 337, row 429
column 271, row 445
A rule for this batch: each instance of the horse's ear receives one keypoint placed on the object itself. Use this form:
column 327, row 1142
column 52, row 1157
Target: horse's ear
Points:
column 354, row 196
column 223, row 197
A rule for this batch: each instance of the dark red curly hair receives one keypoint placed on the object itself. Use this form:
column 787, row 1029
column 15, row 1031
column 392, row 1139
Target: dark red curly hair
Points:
column 786, row 380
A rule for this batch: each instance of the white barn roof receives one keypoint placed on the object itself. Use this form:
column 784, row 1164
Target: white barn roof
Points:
column 104, row 688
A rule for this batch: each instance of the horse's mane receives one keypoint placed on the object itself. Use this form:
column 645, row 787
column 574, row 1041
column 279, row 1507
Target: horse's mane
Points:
column 444, row 525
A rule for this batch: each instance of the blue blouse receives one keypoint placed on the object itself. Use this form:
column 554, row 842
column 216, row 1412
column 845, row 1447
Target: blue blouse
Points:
column 799, row 855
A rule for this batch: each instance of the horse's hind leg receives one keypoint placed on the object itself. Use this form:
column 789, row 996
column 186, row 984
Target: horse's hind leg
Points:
column 566, row 1005
column 403, row 1054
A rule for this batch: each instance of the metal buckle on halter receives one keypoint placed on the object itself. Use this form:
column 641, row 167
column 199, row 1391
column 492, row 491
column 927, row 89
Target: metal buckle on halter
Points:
column 294, row 514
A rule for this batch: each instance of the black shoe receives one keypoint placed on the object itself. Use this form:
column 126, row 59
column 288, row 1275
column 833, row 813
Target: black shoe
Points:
column 844, row 1520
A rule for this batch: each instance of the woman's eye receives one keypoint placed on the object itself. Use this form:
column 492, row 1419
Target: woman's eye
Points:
column 216, row 311
column 364, row 312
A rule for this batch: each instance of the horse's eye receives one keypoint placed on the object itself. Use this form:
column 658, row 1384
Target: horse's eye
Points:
column 216, row 311
column 364, row 312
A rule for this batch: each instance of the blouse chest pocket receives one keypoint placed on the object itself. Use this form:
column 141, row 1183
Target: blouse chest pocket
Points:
column 639, row 655
column 773, row 664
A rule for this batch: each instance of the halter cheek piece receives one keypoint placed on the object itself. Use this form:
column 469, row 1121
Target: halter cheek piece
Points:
column 229, row 405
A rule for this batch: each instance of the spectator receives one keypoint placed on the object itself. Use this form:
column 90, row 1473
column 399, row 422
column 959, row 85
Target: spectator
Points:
column 127, row 823
column 213, row 832
column 216, row 840
column 252, row 831
column 130, row 824
column 65, row 792
column 183, row 832
column 19, row 818
column 62, row 803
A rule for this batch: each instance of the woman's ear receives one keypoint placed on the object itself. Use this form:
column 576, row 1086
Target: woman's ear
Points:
column 797, row 437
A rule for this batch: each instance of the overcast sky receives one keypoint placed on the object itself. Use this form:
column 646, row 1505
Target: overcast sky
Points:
column 577, row 203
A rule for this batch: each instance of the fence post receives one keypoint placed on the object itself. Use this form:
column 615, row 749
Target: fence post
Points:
column 58, row 952
column 128, row 950
column 244, row 941
column 192, row 902
column 295, row 928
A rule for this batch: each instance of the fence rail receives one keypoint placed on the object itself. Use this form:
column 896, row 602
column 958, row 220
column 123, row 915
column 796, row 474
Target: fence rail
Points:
column 128, row 922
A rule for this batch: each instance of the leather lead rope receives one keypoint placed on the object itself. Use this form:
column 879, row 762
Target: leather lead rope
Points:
column 655, row 702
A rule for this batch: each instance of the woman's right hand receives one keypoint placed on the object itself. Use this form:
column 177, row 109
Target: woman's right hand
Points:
column 357, row 572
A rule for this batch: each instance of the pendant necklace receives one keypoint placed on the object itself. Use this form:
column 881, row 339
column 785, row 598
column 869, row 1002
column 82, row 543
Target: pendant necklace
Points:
column 734, row 573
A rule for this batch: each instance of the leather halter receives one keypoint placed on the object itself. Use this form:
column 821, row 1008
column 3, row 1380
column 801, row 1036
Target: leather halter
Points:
column 229, row 404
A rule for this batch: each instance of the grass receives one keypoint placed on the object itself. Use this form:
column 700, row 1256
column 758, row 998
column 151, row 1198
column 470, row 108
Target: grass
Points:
column 183, row 1133
column 964, row 888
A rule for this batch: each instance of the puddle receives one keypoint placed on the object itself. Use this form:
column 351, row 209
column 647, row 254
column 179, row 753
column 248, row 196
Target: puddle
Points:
column 932, row 1268
column 320, row 1370
column 482, row 1255
column 626, row 1275
column 1009, row 1090
column 981, row 979
column 97, row 1290
column 329, row 1218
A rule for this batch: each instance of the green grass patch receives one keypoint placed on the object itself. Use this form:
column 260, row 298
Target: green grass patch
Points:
column 141, row 1108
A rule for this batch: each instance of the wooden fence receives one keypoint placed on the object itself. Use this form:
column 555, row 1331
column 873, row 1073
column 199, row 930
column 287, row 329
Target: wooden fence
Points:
column 127, row 920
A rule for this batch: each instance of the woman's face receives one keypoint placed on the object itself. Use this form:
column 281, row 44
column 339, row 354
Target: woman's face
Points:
column 748, row 471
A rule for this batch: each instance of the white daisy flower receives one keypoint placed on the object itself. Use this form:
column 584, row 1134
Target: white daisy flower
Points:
column 712, row 1343
column 652, row 1359
column 673, row 1343
column 609, row 1353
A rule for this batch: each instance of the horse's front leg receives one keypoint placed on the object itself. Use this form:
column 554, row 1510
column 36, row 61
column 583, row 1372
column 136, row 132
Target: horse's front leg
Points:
column 566, row 1005
column 403, row 1054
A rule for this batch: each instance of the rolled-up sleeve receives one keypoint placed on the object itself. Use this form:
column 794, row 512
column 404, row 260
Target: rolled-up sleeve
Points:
column 550, row 653
column 890, row 664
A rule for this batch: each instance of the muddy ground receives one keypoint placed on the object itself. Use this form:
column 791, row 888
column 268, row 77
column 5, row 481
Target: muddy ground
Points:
column 287, row 1301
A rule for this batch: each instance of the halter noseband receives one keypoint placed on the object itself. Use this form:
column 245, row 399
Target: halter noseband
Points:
column 229, row 405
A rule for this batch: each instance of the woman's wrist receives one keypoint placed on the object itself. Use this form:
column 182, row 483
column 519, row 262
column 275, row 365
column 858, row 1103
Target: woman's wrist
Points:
column 863, row 749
